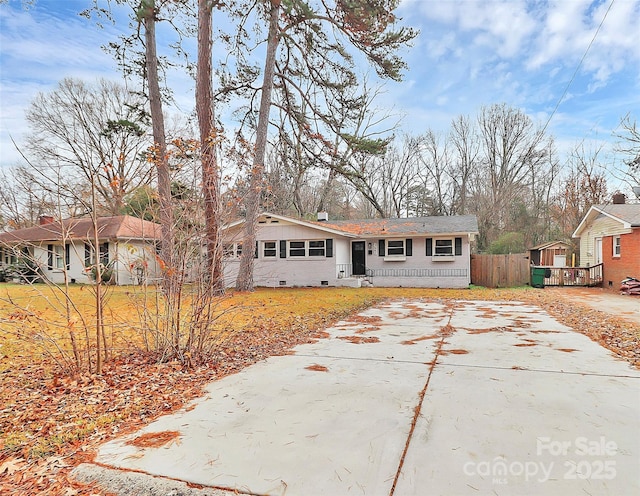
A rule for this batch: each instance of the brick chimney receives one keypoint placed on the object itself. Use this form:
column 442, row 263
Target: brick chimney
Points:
column 619, row 199
column 45, row 219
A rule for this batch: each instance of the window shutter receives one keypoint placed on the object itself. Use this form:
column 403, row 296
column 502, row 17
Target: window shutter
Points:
column 50, row 257
column 381, row 250
column 429, row 247
column 87, row 255
column 67, row 256
column 255, row 255
column 458, row 246
column 283, row 248
column 329, row 248
column 408, row 247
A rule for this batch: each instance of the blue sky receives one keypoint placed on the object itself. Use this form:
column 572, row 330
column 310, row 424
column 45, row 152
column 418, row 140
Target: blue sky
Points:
column 469, row 53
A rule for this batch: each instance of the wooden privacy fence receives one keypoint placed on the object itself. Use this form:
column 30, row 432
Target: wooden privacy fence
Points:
column 500, row 271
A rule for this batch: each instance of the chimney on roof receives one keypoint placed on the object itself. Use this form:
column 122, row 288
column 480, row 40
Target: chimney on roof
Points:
column 323, row 216
column 45, row 219
column 619, row 199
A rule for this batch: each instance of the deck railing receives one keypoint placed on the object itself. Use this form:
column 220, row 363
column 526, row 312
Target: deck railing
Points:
column 574, row 276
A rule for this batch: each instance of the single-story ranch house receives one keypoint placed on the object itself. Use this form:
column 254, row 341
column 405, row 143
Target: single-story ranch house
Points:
column 432, row 252
column 126, row 248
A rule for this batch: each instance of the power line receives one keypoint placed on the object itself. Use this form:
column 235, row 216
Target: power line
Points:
column 566, row 89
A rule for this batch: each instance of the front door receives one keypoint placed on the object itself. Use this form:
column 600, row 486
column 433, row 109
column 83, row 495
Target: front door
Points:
column 358, row 258
column 598, row 251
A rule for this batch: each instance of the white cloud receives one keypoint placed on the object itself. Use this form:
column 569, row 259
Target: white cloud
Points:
column 570, row 26
column 42, row 46
column 503, row 26
column 470, row 53
column 38, row 50
column 445, row 46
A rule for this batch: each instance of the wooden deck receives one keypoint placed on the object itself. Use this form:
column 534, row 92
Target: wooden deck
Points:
column 574, row 276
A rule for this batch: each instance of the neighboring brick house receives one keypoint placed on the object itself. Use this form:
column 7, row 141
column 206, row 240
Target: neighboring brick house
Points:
column 610, row 235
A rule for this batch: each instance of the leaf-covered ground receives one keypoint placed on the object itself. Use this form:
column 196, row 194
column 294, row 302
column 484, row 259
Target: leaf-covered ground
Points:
column 50, row 422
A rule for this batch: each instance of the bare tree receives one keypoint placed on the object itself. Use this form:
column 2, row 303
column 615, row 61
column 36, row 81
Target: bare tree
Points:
column 97, row 132
column 362, row 133
column 629, row 146
column 22, row 200
column 464, row 166
column 511, row 146
column 172, row 274
column 538, row 226
column 435, row 172
column 584, row 184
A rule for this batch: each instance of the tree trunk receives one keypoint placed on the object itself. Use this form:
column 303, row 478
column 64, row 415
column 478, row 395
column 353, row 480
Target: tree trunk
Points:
column 210, row 171
column 244, row 281
column 323, row 205
column 148, row 15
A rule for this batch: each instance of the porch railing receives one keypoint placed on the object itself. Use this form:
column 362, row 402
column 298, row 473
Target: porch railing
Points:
column 574, row 276
column 417, row 272
column 344, row 270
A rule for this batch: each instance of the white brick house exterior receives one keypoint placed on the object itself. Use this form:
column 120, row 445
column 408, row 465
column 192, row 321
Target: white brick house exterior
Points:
column 429, row 252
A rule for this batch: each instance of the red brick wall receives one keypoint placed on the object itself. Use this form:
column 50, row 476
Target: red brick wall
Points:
column 615, row 269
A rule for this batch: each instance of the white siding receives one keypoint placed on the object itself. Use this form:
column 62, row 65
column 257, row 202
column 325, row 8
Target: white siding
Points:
column 123, row 257
column 289, row 271
column 601, row 227
column 57, row 276
column 420, row 270
column 417, row 270
column 133, row 255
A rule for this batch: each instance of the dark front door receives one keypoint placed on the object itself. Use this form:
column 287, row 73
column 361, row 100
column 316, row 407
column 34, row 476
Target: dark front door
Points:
column 358, row 258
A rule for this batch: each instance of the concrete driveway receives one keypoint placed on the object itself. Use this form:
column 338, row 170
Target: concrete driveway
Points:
column 623, row 306
column 408, row 398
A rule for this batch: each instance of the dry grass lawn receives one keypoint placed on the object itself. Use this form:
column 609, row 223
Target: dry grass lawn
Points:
column 51, row 421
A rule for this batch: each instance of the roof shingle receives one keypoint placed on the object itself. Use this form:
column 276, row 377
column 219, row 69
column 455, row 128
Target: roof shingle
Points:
column 413, row 226
column 117, row 227
column 627, row 212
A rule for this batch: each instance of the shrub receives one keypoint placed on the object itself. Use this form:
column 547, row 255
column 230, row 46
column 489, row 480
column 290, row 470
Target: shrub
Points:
column 509, row 242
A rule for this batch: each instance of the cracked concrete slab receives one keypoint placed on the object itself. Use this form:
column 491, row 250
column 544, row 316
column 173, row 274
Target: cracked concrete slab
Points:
column 505, row 387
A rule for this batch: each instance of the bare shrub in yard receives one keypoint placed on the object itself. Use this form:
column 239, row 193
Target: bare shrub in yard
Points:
column 62, row 332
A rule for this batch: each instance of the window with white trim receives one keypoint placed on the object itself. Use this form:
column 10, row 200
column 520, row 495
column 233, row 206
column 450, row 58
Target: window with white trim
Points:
column 616, row 246
column 232, row 250
column 316, row 248
column 9, row 256
column 310, row 248
column 297, row 249
column 443, row 248
column 269, row 249
column 90, row 254
column 58, row 257
column 395, row 247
